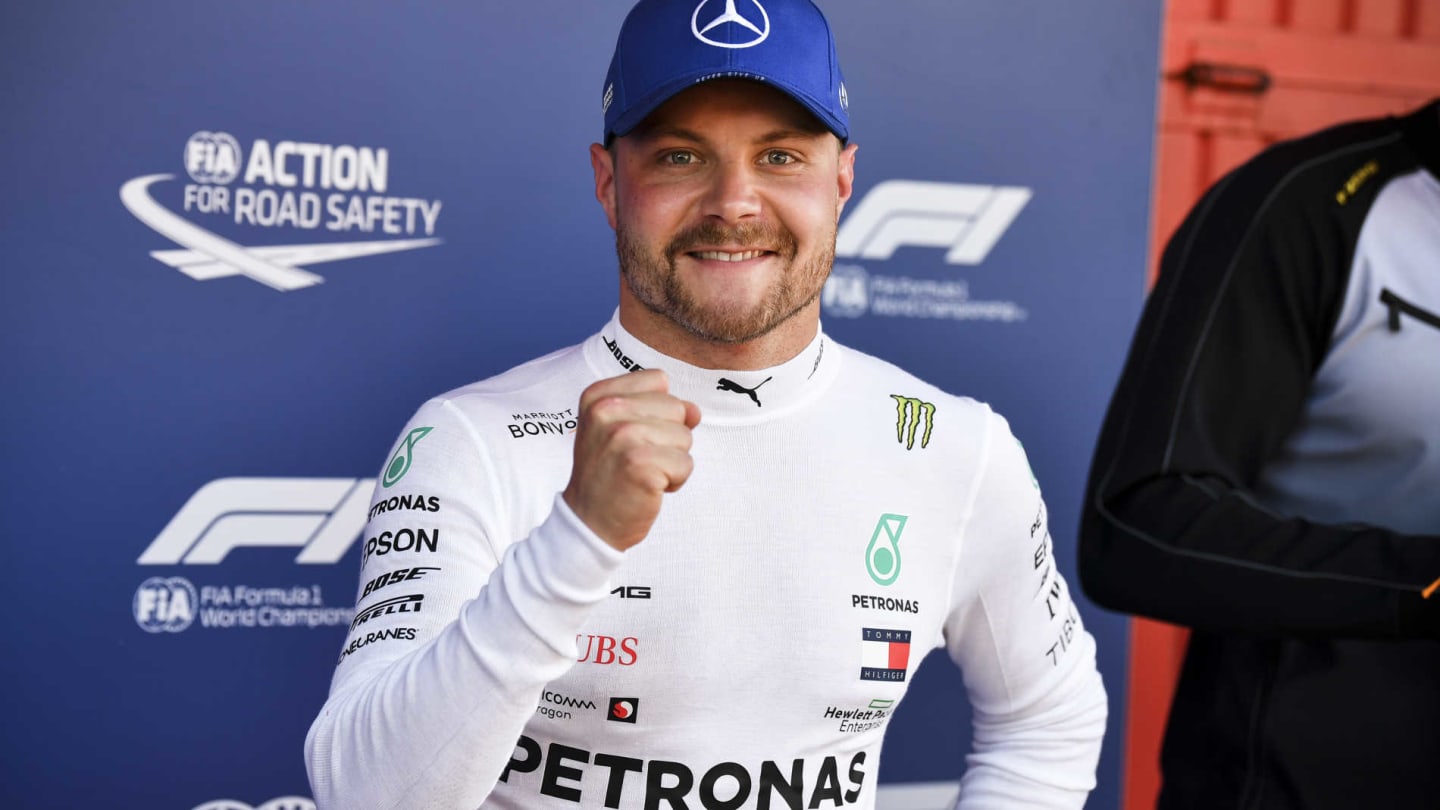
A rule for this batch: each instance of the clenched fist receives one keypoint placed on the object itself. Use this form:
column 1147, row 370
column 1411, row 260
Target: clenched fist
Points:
column 632, row 445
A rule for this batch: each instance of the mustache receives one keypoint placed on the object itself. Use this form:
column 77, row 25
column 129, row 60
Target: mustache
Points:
column 747, row 236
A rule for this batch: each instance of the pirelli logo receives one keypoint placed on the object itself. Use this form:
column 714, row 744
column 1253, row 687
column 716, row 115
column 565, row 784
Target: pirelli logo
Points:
column 911, row 415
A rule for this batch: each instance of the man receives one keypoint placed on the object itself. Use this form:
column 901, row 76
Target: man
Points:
column 713, row 593
column 1269, row 474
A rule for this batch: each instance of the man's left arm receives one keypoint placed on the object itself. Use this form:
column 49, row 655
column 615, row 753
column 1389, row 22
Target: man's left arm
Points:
column 1029, row 665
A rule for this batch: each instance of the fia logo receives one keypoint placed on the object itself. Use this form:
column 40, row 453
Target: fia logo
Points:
column 164, row 605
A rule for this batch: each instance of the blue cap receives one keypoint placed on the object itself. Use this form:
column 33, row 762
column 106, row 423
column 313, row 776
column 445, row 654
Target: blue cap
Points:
column 666, row 46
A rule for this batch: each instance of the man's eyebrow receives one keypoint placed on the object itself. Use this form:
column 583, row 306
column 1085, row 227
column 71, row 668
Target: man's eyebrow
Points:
column 683, row 134
column 654, row 133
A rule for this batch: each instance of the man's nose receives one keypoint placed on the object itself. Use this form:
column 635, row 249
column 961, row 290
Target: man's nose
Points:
column 733, row 194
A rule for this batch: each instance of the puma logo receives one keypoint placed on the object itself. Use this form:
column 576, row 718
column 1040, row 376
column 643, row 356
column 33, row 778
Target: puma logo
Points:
column 730, row 385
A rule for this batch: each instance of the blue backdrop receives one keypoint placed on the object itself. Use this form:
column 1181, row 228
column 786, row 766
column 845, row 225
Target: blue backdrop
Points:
column 242, row 242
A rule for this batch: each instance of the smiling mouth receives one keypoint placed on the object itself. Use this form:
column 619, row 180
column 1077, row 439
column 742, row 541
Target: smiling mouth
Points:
column 726, row 256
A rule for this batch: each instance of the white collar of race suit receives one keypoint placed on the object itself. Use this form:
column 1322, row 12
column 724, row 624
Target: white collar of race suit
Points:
column 724, row 396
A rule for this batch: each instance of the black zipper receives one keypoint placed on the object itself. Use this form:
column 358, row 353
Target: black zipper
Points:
column 1398, row 305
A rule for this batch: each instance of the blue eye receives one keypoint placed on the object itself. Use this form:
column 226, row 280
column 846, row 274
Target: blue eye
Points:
column 775, row 157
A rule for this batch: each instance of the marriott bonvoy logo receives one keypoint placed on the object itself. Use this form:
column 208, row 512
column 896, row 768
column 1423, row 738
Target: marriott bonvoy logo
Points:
column 326, row 188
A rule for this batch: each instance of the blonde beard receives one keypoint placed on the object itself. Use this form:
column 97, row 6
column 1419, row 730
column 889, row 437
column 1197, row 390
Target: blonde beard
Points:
column 654, row 281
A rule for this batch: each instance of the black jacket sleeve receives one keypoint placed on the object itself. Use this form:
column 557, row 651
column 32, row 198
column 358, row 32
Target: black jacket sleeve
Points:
column 1217, row 376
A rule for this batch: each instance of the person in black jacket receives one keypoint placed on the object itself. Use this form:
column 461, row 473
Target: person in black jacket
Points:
column 1269, row 475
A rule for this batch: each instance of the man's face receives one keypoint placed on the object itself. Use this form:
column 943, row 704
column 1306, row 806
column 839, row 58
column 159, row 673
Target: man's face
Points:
column 724, row 203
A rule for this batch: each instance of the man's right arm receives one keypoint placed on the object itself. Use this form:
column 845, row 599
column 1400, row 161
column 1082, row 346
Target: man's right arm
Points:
column 444, row 666
column 433, row 689
column 1217, row 376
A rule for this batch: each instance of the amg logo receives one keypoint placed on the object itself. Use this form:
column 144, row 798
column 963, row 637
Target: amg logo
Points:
column 620, row 357
column 664, row 783
column 395, row 578
column 632, row 592
column 910, row 413
column 410, row 603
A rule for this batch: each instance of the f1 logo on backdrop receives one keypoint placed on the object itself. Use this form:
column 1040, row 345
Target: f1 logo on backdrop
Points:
column 309, row 186
column 967, row 219
column 320, row 516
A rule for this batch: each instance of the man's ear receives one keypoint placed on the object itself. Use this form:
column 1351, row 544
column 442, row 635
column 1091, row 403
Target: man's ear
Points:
column 602, row 160
column 846, row 177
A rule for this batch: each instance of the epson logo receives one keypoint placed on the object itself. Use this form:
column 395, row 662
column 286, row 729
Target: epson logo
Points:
column 410, row 603
column 282, row 803
column 320, row 516
column 388, row 542
column 967, row 219
column 395, row 578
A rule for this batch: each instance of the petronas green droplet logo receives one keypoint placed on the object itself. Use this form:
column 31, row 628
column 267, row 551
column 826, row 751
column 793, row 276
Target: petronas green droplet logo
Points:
column 882, row 556
column 400, row 462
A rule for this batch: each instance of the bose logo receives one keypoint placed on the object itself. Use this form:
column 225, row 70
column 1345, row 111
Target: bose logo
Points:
column 967, row 219
column 321, row 516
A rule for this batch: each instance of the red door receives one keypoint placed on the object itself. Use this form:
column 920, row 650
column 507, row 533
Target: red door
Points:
column 1238, row 75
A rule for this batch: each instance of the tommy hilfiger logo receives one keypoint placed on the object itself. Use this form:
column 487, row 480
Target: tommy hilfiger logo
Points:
column 731, row 385
column 910, row 414
column 623, row 710
column 884, row 654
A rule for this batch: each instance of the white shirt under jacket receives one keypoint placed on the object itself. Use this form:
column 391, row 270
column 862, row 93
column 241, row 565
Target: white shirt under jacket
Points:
column 843, row 519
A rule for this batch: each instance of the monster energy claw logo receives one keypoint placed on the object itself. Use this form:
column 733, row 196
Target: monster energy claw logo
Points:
column 909, row 412
column 882, row 556
column 400, row 462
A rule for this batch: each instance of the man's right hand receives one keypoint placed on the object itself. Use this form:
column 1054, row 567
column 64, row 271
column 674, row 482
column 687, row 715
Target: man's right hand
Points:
column 632, row 445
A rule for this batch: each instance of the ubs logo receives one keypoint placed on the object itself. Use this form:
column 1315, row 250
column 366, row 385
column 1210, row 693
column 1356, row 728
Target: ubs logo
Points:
column 758, row 33
column 605, row 650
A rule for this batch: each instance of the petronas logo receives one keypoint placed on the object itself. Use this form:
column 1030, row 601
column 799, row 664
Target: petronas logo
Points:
column 910, row 415
column 882, row 556
column 400, row 462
